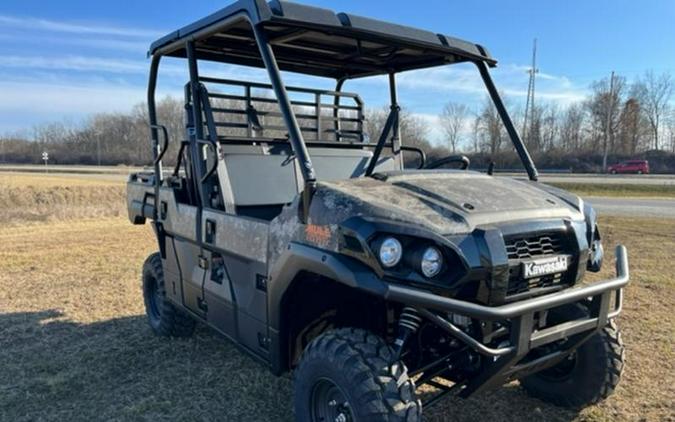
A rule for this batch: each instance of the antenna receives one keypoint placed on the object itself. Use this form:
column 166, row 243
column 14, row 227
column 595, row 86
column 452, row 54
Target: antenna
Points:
column 529, row 104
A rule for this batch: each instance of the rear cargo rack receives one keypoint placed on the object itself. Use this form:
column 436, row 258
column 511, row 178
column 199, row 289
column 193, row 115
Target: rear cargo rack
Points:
column 249, row 109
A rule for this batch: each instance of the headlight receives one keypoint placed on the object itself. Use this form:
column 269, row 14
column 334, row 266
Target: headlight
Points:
column 432, row 262
column 596, row 253
column 390, row 252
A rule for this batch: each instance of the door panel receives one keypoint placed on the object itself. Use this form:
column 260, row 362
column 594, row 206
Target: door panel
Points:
column 180, row 224
column 218, row 295
column 237, row 305
column 192, row 276
column 172, row 279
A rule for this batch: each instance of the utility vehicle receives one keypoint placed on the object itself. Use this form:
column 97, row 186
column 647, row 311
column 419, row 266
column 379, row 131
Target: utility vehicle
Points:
column 312, row 247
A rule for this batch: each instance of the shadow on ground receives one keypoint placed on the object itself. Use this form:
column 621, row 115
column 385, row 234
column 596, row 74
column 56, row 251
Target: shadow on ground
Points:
column 55, row 369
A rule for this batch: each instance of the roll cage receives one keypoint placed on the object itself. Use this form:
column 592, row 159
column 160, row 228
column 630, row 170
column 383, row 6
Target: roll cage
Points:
column 278, row 36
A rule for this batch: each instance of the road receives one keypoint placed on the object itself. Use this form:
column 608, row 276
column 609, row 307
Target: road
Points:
column 633, row 207
column 610, row 179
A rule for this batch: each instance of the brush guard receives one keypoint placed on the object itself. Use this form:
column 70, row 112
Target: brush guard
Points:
column 505, row 363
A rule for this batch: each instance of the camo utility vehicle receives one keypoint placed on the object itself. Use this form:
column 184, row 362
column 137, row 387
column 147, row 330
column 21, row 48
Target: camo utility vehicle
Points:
column 284, row 228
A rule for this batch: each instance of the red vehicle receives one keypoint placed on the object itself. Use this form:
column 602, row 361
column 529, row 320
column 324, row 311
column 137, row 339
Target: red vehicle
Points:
column 630, row 166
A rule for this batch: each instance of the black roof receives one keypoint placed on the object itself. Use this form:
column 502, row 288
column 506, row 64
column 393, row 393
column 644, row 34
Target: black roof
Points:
column 317, row 41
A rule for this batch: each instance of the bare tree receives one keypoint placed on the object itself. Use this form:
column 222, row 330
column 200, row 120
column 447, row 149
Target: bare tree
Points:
column 543, row 128
column 533, row 138
column 413, row 130
column 604, row 106
column 550, row 127
column 475, row 129
column 490, row 128
column 657, row 93
column 571, row 128
column 633, row 126
column 670, row 126
column 452, row 121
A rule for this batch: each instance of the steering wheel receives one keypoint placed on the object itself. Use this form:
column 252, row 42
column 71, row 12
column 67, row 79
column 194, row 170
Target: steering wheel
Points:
column 463, row 159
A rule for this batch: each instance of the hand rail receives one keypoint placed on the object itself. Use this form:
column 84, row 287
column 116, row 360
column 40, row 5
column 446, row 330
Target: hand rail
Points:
column 463, row 159
column 212, row 140
column 165, row 144
column 392, row 121
column 423, row 156
column 213, row 168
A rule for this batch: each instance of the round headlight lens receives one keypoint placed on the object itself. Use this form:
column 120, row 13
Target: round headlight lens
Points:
column 390, row 252
column 595, row 257
column 432, row 262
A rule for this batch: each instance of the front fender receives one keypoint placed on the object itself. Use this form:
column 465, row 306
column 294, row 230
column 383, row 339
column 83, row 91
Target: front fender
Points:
column 298, row 257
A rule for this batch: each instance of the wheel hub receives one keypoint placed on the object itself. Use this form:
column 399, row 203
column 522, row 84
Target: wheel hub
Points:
column 329, row 403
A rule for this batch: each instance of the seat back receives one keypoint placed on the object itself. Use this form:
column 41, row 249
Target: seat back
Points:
column 269, row 174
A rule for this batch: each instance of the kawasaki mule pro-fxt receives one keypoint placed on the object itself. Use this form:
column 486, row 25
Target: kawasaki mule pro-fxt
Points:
column 285, row 229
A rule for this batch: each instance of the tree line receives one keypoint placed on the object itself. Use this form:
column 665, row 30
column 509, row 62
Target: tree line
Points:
column 618, row 120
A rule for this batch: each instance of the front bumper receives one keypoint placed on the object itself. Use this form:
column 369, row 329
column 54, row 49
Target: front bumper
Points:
column 524, row 336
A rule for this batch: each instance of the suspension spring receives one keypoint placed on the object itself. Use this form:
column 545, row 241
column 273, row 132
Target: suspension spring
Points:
column 409, row 319
column 408, row 323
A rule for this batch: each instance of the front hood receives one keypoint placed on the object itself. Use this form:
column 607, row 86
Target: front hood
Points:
column 445, row 201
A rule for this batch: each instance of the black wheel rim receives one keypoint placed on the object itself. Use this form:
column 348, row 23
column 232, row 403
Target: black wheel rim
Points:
column 154, row 299
column 329, row 403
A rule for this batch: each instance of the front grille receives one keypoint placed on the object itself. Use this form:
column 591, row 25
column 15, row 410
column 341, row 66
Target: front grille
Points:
column 532, row 246
column 520, row 248
column 517, row 284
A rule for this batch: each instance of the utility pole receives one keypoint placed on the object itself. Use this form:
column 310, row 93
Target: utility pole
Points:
column 529, row 104
column 608, row 124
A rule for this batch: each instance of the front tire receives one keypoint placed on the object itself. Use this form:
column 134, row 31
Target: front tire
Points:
column 164, row 318
column 348, row 375
column 590, row 374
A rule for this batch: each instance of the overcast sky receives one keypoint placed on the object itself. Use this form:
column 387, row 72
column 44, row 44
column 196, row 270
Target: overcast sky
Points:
column 67, row 59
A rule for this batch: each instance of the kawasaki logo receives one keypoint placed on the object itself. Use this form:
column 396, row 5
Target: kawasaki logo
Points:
column 544, row 266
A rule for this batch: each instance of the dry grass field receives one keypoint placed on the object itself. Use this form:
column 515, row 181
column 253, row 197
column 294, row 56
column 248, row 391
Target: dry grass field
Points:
column 30, row 197
column 75, row 346
column 618, row 190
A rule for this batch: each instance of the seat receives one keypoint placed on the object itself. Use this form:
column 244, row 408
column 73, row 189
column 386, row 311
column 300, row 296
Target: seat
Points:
column 268, row 176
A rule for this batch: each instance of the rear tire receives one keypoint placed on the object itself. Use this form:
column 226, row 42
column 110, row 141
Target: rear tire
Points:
column 164, row 318
column 613, row 171
column 348, row 375
column 589, row 376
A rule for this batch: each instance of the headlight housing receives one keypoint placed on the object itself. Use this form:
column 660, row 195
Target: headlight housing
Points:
column 405, row 256
column 596, row 252
column 390, row 252
column 431, row 262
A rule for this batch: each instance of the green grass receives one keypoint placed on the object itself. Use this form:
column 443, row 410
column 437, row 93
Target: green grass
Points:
column 617, row 190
